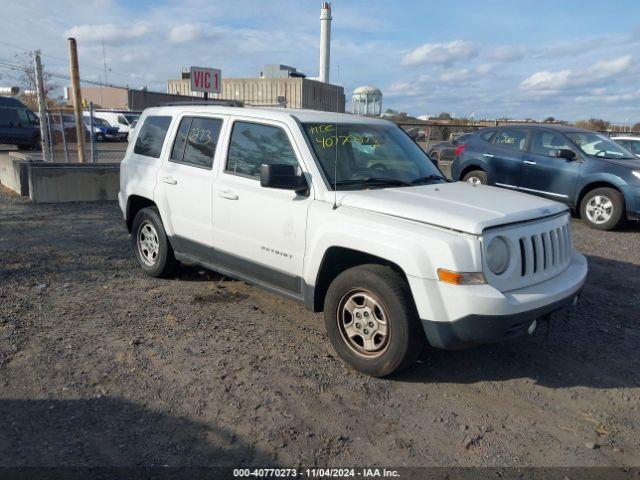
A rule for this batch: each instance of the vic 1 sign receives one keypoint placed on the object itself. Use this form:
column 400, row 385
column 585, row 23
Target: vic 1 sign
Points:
column 205, row 80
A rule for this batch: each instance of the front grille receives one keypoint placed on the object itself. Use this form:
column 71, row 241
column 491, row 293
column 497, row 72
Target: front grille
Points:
column 545, row 251
column 540, row 250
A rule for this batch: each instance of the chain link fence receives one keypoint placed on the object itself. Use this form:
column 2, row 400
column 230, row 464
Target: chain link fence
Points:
column 41, row 125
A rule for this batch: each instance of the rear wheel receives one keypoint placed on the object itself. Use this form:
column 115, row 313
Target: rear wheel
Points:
column 603, row 208
column 371, row 320
column 476, row 177
column 150, row 244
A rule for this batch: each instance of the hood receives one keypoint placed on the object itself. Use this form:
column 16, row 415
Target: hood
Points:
column 459, row 206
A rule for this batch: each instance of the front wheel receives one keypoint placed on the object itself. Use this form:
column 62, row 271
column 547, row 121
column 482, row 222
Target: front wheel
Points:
column 150, row 244
column 371, row 320
column 602, row 208
column 476, row 177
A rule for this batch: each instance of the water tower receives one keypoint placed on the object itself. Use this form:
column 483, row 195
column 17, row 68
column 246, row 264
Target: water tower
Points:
column 366, row 100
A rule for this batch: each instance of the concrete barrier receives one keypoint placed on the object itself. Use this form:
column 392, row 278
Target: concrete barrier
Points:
column 57, row 183
column 14, row 173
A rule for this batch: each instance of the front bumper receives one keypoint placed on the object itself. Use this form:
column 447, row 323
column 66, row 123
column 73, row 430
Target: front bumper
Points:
column 456, row 317
column 478, row 329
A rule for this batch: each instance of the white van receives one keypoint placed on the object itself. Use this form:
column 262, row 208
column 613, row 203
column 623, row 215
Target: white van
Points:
column 124, row 120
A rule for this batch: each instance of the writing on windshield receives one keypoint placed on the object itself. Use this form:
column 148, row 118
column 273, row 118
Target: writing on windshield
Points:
column 325, row 135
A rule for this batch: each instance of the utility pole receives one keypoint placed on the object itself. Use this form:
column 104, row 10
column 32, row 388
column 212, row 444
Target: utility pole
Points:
column 42, row 107
column 77, row 97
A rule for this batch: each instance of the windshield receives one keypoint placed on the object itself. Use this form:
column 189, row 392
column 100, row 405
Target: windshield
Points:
column 132, row 119
column 369, row 155
column 99, row 121
column 599, row 146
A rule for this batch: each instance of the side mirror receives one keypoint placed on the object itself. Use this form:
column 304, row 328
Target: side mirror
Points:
column 282, row 176
column 566, row 153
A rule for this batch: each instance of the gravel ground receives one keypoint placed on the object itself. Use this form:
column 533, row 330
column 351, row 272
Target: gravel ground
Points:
column 100, row 365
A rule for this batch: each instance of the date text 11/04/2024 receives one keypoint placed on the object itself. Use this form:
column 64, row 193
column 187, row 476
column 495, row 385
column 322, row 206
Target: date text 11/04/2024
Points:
column 317, row 472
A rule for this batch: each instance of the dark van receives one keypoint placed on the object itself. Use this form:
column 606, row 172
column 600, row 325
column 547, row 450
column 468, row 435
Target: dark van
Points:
column 19, row 126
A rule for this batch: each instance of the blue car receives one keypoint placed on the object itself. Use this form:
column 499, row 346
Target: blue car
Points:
column 590, row 173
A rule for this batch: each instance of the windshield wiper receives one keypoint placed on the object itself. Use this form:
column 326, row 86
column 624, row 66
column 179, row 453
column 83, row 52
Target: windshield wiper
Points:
column 375, row 181
column 426, row 179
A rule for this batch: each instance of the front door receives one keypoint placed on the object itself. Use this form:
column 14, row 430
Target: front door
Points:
column 505, row 156
column 186, row 184
column 545, row 174
column 259, row 232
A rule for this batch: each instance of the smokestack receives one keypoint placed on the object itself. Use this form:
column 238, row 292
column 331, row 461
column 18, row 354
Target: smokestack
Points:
column 325, row 41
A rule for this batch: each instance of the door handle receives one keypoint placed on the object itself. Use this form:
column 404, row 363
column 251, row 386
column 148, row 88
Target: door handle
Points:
column 228, row 194
column 529, row 162
column 169, row 180
column 488, row 155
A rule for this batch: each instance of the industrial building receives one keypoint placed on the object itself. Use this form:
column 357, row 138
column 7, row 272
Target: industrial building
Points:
column 120, row 98
column 278, row 86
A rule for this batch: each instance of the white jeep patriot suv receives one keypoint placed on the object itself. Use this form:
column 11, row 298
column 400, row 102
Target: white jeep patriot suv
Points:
column 347, row 215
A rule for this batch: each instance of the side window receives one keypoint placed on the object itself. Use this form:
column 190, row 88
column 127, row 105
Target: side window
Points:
column 151, row 136
column 513, row 138
column 122, row 120
column 253, row 144
column 196, row 141
column 24, row 117
column 546, row 143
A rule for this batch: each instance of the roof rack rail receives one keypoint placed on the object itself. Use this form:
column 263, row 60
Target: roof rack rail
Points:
column 213, row 101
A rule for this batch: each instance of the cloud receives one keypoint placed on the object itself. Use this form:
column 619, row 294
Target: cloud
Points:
column 608, row 68
column 184, row 33
column 440, row 53
column 484, row 68
column 552, row 82
column 546, row 80
column 508, row 53
column 108, row 33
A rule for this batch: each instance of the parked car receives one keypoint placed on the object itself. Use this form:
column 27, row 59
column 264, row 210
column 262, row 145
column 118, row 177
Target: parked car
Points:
column 123, row 120
column 446, row 150
column 580, row 168
column 630, row 143
column 19, row 126
column 102, row 131
column 351, row 219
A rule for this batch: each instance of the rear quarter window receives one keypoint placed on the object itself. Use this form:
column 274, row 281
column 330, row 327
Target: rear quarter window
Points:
column 151, row 136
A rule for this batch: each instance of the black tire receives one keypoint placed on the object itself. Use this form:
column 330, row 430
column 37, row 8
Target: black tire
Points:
column 405, row 338
column 163, row 263
column 479, row 175
column 100, row 137
column 614, row 215
column 435, row 155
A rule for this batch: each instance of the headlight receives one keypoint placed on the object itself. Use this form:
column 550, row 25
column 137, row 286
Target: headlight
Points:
column 498, row 255
column 636, row 173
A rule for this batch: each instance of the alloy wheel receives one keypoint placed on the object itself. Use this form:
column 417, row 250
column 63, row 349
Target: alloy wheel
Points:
column 599, row 209
column 363, row 323
column 148, row 244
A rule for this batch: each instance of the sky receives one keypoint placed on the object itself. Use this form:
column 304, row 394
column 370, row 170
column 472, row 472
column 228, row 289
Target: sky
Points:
column 518, row 59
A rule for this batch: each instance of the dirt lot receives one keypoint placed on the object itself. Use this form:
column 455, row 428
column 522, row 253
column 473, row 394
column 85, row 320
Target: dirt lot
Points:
column 100, row 365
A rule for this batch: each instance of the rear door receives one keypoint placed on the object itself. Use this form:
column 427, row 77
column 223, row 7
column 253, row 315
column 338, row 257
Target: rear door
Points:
column 185, row 183
column 545, row 174
column 504, row 156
